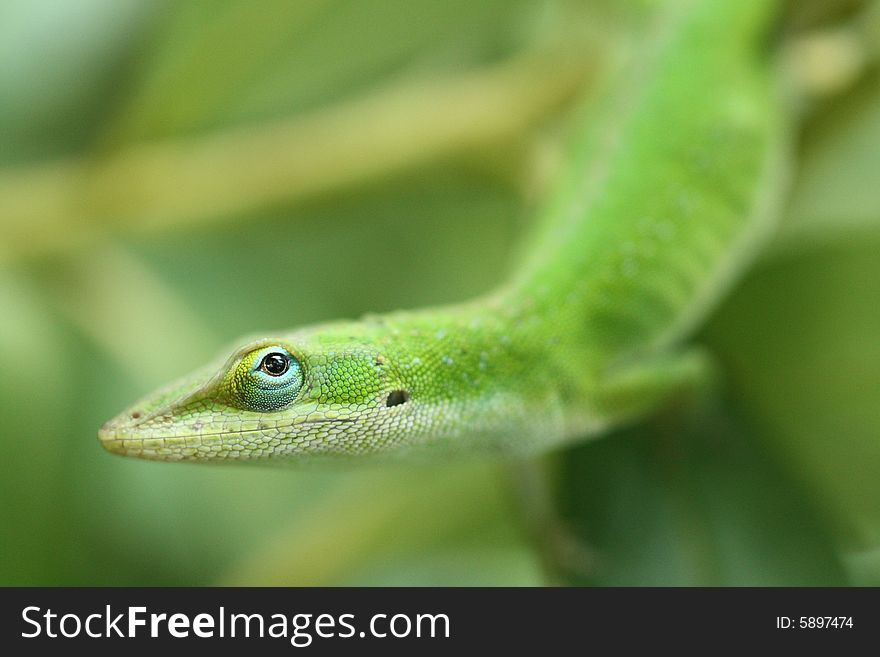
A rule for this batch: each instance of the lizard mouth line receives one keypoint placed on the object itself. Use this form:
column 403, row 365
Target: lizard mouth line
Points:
column 107, row 436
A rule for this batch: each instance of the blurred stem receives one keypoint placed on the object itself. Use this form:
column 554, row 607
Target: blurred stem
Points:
column 561, row 553
column 125, row 308
column 199, row 181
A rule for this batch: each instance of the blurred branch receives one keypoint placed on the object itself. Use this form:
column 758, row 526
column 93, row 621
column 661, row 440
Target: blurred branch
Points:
column 126, row 309
column 198, row 181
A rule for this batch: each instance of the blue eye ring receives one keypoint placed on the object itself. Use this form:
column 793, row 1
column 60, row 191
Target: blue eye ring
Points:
column 267, row 379
column 264, row 380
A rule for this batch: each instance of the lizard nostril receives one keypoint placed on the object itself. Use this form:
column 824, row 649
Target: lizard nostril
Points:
column 135, row 415
column 397, row 397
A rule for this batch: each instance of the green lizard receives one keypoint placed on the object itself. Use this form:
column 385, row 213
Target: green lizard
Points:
column 665, row 197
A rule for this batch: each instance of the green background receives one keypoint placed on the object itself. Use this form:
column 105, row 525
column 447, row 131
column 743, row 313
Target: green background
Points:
column 776, row 480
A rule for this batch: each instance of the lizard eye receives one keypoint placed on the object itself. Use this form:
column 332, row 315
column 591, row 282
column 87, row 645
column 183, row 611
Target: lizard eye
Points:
column 275, row 364
column 265, row 380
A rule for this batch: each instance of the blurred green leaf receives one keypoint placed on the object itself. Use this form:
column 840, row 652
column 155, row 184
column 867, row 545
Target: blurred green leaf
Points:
column 59, row 62
column 799, row 340
column 211, row 64
column 691, row 504
column 34, row 401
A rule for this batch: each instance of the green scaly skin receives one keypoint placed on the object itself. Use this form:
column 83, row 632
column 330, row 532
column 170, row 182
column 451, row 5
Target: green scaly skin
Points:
column 664, row 199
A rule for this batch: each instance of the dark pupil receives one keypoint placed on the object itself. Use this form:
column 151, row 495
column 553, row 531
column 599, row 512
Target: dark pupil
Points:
column 275, row 364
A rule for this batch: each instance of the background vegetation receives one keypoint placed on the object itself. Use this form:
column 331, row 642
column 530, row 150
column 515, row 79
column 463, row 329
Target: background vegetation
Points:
column 176, row 174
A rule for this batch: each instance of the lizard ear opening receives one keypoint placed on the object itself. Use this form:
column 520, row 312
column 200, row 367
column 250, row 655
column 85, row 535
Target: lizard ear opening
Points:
column 396, row 398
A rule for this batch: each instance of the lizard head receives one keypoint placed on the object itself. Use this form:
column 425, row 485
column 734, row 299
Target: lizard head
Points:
column 313, row 393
